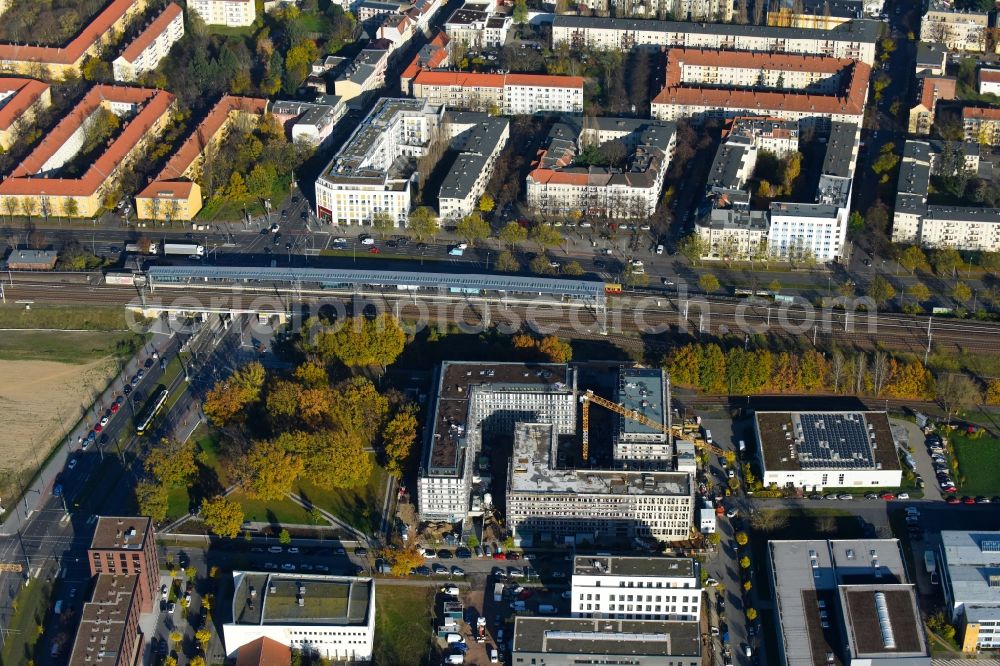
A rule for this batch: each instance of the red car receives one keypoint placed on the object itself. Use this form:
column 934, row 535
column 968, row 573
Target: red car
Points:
column 375, row 250
column 888, row 497
column 114, row 408
column 499, row 556
column 98, row 428
column 951, row 499
column 968, row 500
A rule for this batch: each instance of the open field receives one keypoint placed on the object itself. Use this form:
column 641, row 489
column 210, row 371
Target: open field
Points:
column 977, row 464
column 32, row 603
column 403, row 624
column 358, row 507
column 66, row 346
column 91, row 317
column 41, row 401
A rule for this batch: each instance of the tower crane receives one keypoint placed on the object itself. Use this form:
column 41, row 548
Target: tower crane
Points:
column 589, row 396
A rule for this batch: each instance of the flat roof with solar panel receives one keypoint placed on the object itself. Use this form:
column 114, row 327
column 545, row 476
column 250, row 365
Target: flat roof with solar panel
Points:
column 835, row 441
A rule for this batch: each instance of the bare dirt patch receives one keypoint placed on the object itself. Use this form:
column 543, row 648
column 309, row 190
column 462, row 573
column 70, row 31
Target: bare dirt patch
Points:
column 40, row 401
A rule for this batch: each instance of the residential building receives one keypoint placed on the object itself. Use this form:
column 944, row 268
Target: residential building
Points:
column 969, row 562
column 309, row 122
column 475, row 403
column 477, row 138
column 989, row 81
column 354, row 81
column 644, row 391
column 109, row 633
column 818, row 450
column 433, row 55
column 636, row 588
column 556, row 641
column 931, row 59
column 817, row 14
column 331, row 616
column 981, row 125
column 21, row 100
column 58, row 62
column 230, row 13
column 419, row 12
column 41, row 181
column 478, row 27
column 845, row 602
column 957, row 30
column 175, row 193
column 396, row 29
column 151, row 46
column 127, row 545
column 556, row 185
column 552, row 500
column 714, row 84
column 31, row 260
column 916, row 222
column 506, row 94
column 852, row 40
column 717, row 11
column 930, row 91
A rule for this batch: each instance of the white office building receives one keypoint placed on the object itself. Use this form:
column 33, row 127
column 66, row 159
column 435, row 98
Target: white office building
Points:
column 230, row 13
column 152, row 45
column 331, row 616
column 636, row 588
column 819, row 450
column 970, row 576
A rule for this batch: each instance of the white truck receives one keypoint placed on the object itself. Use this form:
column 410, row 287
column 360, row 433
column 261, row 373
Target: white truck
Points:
column 498, row 592
column 188, row 249
column 930, row 561
column 136, row 248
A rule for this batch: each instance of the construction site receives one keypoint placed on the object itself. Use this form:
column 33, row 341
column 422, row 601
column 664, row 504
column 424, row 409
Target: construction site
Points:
column 556, row 454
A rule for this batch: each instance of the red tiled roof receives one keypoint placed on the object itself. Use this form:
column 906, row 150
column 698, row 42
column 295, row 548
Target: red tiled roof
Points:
column 70, row 53
column 980, row 113
column 202, row 135
column 989, row 75
column 23, row 181
column 437, row 56
column 152, row 31
column 264, row 652
column 28, row 92
column 944, row 88
column 678, row 92
column 478, row 80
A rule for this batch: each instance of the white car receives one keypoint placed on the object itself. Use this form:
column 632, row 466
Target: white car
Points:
column 288, row 567
column 164, row 591
column 367, row 240
column 636, row 263
column 275, row 227
column 71, row 464
column 462, row 246
column 903, row 496
column 340, row 241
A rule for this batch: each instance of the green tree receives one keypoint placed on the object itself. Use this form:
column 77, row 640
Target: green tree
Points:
column 260, row 181
column 507, row 263
column 472, row 541
column 171, row 462
column 573, row 269
column 284, row 538
column 919, row 291
column 520, row 12
column 633, row 277
column 742, row 539
column 881, row 290
column 693, row 247
column 541, row 265
column 271, row 470
column 961, row 292
column 423, row 223
column 946, row 261
column 708, row 283
column 744, row 562
column 152, row 499
column 856, row 223
column 223, row 516
column 512, row 234
column 546, row 236
column 913, row 258
column 473, row 228
column 382, row 222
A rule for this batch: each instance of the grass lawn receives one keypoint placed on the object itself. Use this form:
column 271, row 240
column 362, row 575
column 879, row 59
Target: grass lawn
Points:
column 977, row 463
column 403, row 625
column 66, row 346
column 359, row 507
column 32, row 604
column 210, row 479
column 218, row 208
column 91, row 318
column 285, row 512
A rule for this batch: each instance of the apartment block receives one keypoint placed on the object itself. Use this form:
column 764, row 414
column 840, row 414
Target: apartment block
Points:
column 916, row 222
column 816, row 14
column 369, row 175
column 845, row 602
column 39, row 184
column 636, row 588
column 57, row 62
column 477, row 138
column 560, row 641
column 175, row 193
column 475, row 403
column 152, row 45
column 435, row 54
column 21, row 100
column 556, row 185
column 477, row 26
column 643, row 391
column 230, row 13
column 957, row 30
column 932, row 59
column 851, row 40
column 967, row 561
column 550, row 502
column 309, row 122
column 355, row 80
column 714, row 84
column 109, row 632
column 989, row 81
column 506, row 94
column 981, row 125
column 715, row 11
column 127, row 545
column 930, row 91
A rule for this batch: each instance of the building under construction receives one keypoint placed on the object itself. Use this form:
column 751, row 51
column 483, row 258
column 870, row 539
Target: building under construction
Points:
column 557, row 489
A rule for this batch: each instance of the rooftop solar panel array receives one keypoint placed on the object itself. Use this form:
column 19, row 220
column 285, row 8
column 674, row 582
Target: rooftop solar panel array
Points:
column 834, row 441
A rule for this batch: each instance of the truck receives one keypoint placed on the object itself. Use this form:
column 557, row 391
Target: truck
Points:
column 189, row 249
column 498, row 592
column 136, row 248
column 930, row 562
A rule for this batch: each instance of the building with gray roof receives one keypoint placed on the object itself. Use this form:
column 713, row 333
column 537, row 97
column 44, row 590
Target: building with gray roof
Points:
column 970, row 579
column 845, row 602
column 643, row 391
column 572, row 641
column 636, row 588
column 477, row 138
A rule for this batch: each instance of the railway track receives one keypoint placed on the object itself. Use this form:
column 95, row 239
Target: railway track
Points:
column 642, row 323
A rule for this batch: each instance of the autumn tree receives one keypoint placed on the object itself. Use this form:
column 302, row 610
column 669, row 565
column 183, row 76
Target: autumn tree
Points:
column 546, row 236
column 359, row 406
column 357, row 341
column 913, row 258
column 742, row 539
column 171, row 462
column 228, row 399
column 919, row 291
column 402, row 560
column 946, row 261
column 507, row 263
column 955, row 393
column 271, row 469
column 152, row 498
column 881, row 290
column 961, row 292
column 573, row 269
column 203, row 636
column 423, row 222
column 708, row 283
column 338, row 460
column 993, row 392
column 398, row 438
column 486, row 203
column 473, row 228
column 223, row 516
column 555, row 350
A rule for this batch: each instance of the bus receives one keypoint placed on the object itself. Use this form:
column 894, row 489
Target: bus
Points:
column 152, row 408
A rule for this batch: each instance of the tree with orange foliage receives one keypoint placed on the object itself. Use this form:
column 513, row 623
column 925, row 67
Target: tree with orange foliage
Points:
column 555, row 350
